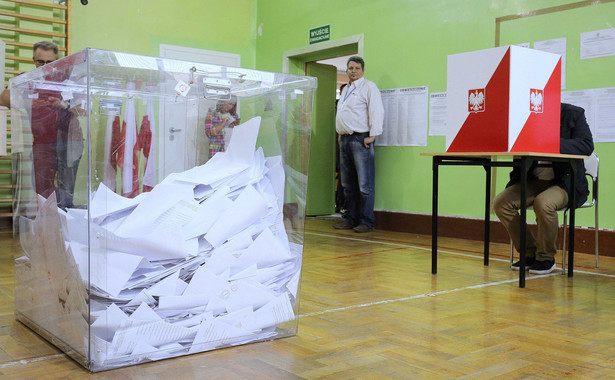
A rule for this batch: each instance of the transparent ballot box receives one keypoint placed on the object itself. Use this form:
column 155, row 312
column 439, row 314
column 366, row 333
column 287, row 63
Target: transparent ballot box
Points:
column 160, row 205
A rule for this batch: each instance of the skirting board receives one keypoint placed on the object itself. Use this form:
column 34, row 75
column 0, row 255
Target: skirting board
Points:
column 473, row 229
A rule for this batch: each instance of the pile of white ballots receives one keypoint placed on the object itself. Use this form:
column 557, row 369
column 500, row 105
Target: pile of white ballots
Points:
column 200, row 262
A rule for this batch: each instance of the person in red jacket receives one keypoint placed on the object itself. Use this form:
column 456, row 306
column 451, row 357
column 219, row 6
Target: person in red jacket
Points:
column 44, row 118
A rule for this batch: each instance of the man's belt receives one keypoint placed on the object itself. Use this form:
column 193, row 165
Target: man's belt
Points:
column 359, row 134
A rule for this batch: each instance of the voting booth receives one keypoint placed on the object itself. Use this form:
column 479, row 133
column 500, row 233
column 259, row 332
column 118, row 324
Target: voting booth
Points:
column 159, row 205
column 505, row 99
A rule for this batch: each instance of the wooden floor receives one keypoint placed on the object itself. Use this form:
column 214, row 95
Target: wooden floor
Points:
column 370, row 309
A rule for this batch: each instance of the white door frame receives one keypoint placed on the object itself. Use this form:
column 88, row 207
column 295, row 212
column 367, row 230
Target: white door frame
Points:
column 288, row 54
column 298, row 53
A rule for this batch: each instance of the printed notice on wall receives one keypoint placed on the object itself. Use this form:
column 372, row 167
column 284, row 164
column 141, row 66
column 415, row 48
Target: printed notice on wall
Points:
column 405, row 117
column 437, row 114
column 599, row 105
column 557, row 46
column 598, row 43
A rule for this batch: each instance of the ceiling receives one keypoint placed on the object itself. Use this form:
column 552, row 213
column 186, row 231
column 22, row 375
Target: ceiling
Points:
column 339, row 62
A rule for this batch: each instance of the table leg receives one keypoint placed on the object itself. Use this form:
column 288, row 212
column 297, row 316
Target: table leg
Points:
column 487, row 214
column 572, row 221
column 434, row 217
column 523, row 224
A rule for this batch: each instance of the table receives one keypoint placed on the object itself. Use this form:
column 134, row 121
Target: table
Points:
column 489, row 160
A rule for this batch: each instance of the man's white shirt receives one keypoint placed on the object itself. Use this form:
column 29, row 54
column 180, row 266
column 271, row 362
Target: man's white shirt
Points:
column 360, row 109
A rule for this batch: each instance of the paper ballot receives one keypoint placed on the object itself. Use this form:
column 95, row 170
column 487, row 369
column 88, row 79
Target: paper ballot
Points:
column 152, row 208
column 166, row 287
column 245, row 211
column 154, row 333
column 243, row 144
column 214, row 333
column 202, row 261
column 277, row 311
column 105, row 326
column 237, row 157
column 106, row 202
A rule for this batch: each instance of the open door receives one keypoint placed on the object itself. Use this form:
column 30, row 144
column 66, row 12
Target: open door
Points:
column 321, row 173
column 180, row 144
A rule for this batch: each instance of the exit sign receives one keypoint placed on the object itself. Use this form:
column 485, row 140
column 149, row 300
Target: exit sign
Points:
column 320, row 34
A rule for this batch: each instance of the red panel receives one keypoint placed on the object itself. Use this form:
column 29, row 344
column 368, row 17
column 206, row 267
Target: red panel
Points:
column 488, row 131
column 541, row 130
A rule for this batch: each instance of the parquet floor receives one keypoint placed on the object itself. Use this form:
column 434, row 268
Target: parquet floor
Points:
column 370, row 309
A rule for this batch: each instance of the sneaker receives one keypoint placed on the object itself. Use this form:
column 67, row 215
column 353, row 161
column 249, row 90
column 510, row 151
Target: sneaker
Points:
column 528, row 262
column 343, row 226
column 363, row 228
column 543, row 267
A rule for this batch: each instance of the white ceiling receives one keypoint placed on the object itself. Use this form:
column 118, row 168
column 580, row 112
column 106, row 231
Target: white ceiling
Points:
column 339, row 62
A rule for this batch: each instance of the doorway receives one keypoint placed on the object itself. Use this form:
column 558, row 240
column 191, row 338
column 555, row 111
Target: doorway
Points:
column 321, row 170
column 305, row 61
column 342, row 80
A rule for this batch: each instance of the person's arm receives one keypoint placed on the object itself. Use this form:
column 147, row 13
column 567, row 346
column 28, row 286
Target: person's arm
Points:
column 5, row 98
column 236, row 122
column 575, row 136
column 375, row 110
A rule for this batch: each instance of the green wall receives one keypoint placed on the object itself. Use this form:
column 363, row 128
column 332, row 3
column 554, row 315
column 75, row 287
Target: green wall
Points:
column 140, row 26
column 406, row 43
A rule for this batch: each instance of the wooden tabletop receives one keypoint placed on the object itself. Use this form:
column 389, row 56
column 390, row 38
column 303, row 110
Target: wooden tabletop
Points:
column 503, row 154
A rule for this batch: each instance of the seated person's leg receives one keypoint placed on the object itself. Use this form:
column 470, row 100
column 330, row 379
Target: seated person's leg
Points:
column 506, row 206
column 546, row 206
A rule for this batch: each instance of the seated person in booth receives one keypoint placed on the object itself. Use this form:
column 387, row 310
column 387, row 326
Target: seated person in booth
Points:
column 547, row 191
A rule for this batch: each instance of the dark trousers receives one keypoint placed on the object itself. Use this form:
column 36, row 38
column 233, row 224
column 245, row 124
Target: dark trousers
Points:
column 358, row 177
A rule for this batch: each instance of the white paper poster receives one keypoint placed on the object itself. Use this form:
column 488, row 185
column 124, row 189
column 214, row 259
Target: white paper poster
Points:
column 599, row 105
column 437, row 114
column 598, row 43
column 405, row 117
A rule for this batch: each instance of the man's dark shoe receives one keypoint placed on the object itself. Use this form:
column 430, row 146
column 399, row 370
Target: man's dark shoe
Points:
column 343, row 226
column 542, row 267
column 362, row 228
column 528, row 262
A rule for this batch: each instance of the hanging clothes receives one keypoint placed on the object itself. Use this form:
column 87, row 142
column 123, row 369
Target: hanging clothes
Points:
column 128, row 160
column 113, row 139
column 147, row 142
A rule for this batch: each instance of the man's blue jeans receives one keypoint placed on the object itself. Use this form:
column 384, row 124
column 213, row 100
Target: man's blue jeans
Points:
column 358, row 176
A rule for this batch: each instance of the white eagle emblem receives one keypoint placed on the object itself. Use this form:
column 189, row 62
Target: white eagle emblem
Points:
column 536, row 100
column 476, row 100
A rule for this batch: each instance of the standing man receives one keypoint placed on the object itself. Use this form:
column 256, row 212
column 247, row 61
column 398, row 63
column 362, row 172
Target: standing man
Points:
column 44, row 119
column 547, row 191
column 359, row 120
column 43, row 52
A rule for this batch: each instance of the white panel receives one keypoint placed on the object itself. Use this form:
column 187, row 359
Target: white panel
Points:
column 529, row 69
column 467, row 71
